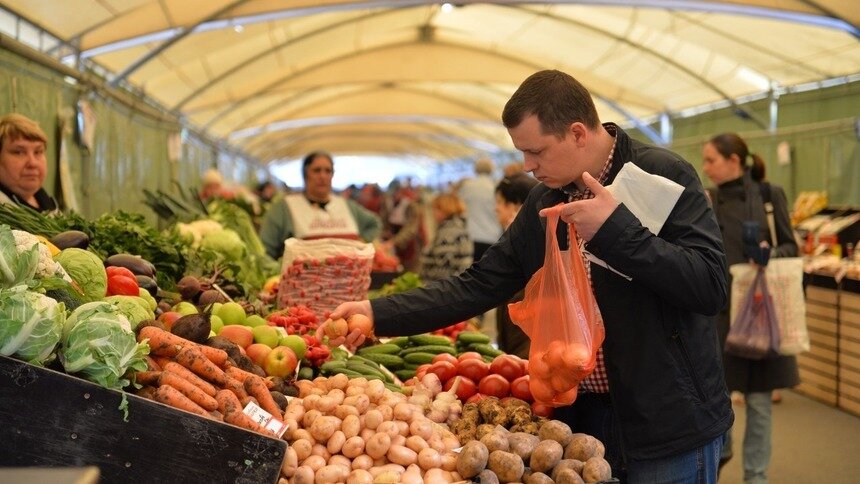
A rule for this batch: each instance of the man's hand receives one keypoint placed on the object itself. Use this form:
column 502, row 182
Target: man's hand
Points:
column 588, row 215
column 355, row 338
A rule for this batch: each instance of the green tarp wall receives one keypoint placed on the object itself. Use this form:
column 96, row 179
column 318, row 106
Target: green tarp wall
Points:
column 130, row 151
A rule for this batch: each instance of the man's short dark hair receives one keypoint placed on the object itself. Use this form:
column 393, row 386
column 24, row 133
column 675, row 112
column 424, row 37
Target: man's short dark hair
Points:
column 557, row 99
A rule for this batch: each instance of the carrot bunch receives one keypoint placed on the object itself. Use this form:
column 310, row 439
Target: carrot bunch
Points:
column 201, row 380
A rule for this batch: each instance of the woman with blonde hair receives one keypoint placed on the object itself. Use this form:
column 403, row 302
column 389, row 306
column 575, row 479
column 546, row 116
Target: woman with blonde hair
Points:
column 23, row 163
column 451, row 251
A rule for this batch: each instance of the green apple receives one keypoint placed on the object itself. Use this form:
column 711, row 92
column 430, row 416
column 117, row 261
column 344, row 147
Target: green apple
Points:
column 295, row 343
column 213, row 308
column 255, row 320
column 266, row 335
column 230, row 313
column 216, row 323
column 185, row 308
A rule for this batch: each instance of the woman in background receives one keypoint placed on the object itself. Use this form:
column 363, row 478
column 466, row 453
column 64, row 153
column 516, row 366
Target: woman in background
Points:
column 739, row 197
column 451, row 251
column 23, row 163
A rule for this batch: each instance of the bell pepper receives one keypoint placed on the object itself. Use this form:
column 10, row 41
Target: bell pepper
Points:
column 122, row 285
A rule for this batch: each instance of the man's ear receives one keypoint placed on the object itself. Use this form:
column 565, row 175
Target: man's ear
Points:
column 578, row 132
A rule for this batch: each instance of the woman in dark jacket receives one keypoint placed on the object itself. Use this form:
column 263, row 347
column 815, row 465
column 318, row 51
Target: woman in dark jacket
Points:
column 739, row 196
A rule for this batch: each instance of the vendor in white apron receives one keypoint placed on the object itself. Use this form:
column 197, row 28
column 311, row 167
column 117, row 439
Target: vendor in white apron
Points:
column 316, row 212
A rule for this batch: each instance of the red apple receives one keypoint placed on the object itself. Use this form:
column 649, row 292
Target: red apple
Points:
column 258, row 352
column 281, row 361
column 241, row 335
column 167, row 318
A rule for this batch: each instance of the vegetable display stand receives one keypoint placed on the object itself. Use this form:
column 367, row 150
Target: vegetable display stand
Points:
column 51, row 419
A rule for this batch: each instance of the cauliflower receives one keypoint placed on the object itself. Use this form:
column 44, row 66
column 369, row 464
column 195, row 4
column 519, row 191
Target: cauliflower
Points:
column 47, row 266
column 194, row 232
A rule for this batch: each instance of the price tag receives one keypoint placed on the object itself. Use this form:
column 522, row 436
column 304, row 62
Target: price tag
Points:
column 265, row 419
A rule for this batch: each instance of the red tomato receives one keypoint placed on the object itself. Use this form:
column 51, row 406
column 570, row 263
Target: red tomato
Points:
column 445, row 370
column 476, row 398
column 473, row 355
column 541, row 410
column 507, row 366
column 494, row 386
column 520, row 388
column 445, row 357
column 473, row 369
column 465, row 389
column 116, row 270
column 422, row 370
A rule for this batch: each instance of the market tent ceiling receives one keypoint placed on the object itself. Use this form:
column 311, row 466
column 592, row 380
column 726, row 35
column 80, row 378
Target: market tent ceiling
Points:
column 280, row 78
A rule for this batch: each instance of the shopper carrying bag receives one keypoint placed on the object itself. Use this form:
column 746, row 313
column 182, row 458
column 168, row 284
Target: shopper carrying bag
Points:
column 742, row 201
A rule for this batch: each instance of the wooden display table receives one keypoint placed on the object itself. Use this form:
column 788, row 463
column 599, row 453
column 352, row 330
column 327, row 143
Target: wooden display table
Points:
column 51, row 419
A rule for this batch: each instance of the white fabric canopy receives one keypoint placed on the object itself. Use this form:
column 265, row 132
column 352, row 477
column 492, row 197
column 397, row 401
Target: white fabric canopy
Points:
column 280, row 78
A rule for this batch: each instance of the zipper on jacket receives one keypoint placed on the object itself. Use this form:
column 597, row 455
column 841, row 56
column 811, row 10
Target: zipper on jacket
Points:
column 693, row 376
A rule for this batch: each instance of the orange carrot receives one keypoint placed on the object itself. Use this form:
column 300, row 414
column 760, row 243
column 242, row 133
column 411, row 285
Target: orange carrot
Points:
column 185, row 373
column 228, row 405
column 193, row 359
column 147, row 377
column 256, row 388
column 168, row 395
column 161, row 361
column 236, row 387
column 151, row 364
column 164, row 343
column 242, row 375
column 226, row 401
column 188, row 389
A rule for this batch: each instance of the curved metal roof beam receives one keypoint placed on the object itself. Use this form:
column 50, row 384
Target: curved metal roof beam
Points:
column 439, row 151
column 268, row 87
column 827, row 19
column 233, row 70
column 152, row 54
column 668, row 60
column 376, row 87
column 275, row 151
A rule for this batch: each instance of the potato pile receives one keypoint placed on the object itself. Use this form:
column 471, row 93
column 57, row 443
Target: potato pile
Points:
column 359, row 432
column 555, row 454
column 478, row 419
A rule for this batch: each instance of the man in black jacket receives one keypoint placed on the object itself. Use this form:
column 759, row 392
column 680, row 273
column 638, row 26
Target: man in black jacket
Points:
column 659, row 377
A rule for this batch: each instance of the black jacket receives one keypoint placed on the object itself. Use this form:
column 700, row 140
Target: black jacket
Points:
column 661, row 351
column 734, row 202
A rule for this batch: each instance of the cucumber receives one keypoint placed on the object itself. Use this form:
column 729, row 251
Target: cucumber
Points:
column 350, row 373
column 401, row 341
column 367, row 370
column 469, row 337
column 387, row 348
column 486, row 349
column 404, row 374
column 392, row 362
column 429, row 339
column 330, row 366
column 409, row 366
column 419, row 358
column 435, row 349
column 364, row 359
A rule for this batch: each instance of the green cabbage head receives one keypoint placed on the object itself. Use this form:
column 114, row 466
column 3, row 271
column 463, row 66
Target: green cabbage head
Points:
column 86, row 269
column 98, row 343
column 226, row 242
column 30, row 324
column 16, row 268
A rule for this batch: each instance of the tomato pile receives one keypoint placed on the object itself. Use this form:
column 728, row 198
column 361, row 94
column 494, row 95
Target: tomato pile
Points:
column 297, row 319
column 506, row 376
column 452, row 331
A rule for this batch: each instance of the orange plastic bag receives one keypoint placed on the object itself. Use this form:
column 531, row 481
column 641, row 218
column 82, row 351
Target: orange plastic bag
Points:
column 560, row 315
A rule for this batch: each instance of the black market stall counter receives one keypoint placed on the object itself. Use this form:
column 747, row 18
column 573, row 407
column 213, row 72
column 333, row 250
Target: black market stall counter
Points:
column 830, row 370
column 51, row 419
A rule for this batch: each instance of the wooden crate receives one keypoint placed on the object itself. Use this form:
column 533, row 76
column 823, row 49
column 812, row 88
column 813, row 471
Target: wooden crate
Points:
column 51, row 419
